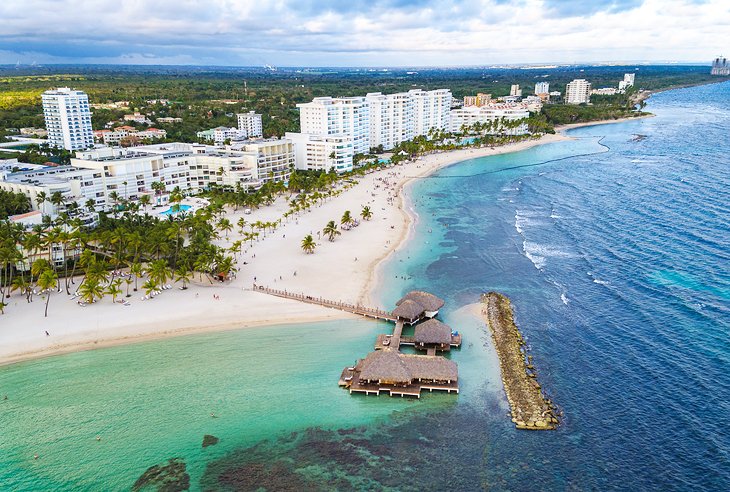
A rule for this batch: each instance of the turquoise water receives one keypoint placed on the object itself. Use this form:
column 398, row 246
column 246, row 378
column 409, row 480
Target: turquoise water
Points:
column 614, row 248
column 153, row 401
column 175, row 210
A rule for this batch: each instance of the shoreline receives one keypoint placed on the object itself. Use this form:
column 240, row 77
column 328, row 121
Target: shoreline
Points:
column 247, row 309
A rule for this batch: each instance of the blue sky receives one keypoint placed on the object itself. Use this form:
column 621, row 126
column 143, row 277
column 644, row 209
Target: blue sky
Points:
column 362, row 32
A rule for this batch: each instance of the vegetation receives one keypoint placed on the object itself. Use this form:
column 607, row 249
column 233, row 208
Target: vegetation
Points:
column 205, row 99
column 12, row 203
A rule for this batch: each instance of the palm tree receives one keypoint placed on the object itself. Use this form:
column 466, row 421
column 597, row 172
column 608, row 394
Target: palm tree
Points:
column 136, row 270
column 2, row 307
column 308, row 244
column 145, row 200
column 160, row 272
column 114, row 289
column 40, row 199
column 241, row 224
column 149, row 287
column 183, row 274
column 91, row 290
column 346, row 219
column 47, row 281
column 225, row 225
column 330, row 230
column 366, row 213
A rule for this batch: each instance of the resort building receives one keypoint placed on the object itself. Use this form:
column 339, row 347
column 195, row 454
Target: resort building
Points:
column 515, row 90
column 322, row 152
column 720, row 66
column 68, row 119
column 137, row 118
column 578, row 92
column 542, row 88
column 251, row 124
column 337, row 116
column 116, row 136
column 169, row 120
column 627, row 82
column 432, row 336
column 377, row 119
column 221, row 134
column 605, row 91
column 481, row 99
column 129, row 172
column 503, row 118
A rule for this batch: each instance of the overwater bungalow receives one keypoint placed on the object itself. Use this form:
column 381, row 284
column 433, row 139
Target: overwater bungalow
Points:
column 433, row 335
column 431, row 304
column 400, row 374
column 408, row 311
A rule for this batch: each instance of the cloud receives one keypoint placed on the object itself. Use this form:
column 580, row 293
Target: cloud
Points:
column 361, row 32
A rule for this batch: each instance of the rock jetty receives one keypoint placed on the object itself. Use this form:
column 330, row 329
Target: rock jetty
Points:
column 531, row 410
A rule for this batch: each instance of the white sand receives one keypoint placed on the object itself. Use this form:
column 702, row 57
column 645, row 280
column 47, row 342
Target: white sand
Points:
column 331, row 272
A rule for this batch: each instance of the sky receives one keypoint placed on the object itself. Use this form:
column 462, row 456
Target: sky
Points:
column 362, row 32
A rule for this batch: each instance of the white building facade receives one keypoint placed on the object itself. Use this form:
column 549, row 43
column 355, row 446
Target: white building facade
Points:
column 68, row 119
column 251, row 124
column 337, row 116
column 542, row 88
column 95, row 174
column 578, row 92
column 501, row 117
column 322, row 152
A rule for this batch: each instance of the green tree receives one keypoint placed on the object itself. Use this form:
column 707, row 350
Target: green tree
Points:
column 308, row 244
column 331, row 231
column 47, row 282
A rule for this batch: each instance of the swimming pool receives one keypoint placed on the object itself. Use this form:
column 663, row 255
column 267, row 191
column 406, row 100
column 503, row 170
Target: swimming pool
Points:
column 176, row 209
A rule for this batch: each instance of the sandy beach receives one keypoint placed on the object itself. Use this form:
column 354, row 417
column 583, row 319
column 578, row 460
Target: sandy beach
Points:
column 345, row 270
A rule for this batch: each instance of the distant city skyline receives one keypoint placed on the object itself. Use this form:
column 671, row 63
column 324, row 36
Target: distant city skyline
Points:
column 373, row 33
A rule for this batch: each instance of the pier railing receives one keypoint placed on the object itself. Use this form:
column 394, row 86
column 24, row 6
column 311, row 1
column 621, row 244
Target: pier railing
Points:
column 320, row 301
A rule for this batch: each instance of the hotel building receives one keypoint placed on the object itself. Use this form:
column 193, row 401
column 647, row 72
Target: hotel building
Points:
column 251, row 124
column 578, row 92
column 322, row 152
column 130, row 172
column 68, row 119
column 496, row 114
column 542, row 88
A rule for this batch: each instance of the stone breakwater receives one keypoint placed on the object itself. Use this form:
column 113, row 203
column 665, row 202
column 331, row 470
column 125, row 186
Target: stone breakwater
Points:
column 531, row 409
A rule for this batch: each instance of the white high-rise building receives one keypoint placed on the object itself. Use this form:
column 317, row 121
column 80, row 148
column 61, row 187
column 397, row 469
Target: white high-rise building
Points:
column 628, row 81
column 251, row 124
column 431, row 109
column 578, row 92
column 322, row 152
column 68, row 119
column 515, row 90
column 542, row 88
column 391, row 118
column 336, row 116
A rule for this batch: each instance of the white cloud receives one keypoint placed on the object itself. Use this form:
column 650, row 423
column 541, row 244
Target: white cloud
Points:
column 378, row 32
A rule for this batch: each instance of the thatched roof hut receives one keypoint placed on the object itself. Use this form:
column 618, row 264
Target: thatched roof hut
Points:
column 433, row 332
column 408, row 310
column 431, row 304
column 431, row 367
column 385, row 366
column 391, row 367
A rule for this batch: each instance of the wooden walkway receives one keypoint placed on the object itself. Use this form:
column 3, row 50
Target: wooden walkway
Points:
column 319, row 301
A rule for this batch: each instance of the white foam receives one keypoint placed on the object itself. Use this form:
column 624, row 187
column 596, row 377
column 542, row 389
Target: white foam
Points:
column 564, row 298
column 539, row 253
column 600, row 282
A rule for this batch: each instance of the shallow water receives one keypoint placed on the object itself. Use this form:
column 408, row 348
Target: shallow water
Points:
column 615, row 252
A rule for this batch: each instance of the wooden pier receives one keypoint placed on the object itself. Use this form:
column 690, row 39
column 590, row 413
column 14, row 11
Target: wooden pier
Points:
column 319, row 301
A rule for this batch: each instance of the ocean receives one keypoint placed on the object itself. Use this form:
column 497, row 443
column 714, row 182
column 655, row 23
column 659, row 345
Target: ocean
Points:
column 614, row 248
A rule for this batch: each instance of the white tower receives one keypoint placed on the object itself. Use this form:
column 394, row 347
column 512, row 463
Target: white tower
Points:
column 68, row 119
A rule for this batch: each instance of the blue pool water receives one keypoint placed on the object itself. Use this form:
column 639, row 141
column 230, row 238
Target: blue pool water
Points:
column 176, row 210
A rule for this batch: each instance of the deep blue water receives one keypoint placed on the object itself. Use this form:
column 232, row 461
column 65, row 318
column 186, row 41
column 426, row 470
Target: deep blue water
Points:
column 618, row 263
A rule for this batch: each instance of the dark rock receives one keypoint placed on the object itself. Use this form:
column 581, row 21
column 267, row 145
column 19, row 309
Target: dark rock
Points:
column 209, row 440
column 171, row 477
